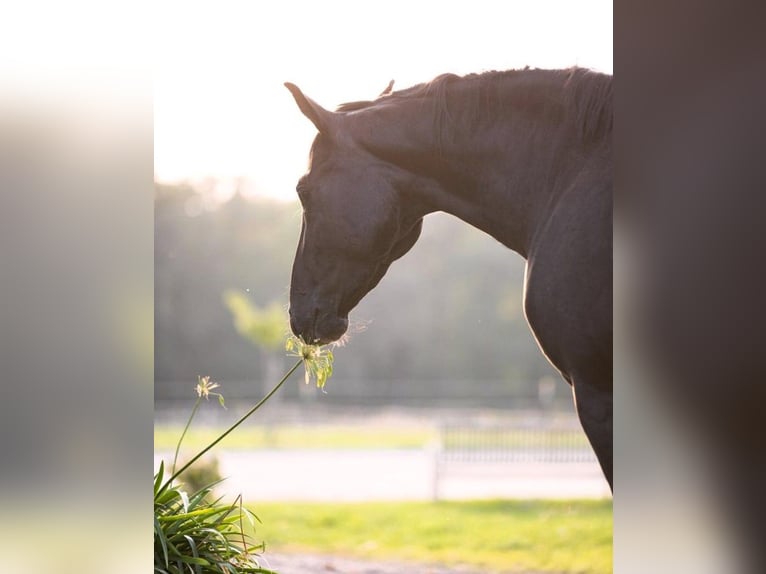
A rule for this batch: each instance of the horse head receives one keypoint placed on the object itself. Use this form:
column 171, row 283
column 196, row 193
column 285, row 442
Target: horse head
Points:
column 355, row 224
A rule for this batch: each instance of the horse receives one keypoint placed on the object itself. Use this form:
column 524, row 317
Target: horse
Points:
column 523, row 155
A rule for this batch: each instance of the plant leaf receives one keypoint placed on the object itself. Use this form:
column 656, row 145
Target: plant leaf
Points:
column 158, row 477
column 158, row 533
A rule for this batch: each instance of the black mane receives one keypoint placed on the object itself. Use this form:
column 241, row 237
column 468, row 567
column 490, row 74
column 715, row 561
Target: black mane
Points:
column 586, row 95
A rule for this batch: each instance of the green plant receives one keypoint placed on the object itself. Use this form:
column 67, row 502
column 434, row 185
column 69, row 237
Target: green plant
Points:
column 197, row 536
column 195, row 533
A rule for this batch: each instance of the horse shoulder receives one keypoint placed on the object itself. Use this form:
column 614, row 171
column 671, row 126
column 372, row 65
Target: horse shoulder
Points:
column 568, row 281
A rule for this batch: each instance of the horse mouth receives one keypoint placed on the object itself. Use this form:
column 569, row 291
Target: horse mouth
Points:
column 318, row 328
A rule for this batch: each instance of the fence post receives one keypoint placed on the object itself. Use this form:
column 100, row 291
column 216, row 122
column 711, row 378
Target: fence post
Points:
column 435, row 450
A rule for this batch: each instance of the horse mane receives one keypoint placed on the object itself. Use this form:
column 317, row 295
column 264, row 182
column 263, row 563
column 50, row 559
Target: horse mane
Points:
column 435, row 88
column 586, row 95
column 589, row 95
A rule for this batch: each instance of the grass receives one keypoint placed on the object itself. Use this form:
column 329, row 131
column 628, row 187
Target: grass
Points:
column 166, row 437
column 338, row 436
column 572, row 536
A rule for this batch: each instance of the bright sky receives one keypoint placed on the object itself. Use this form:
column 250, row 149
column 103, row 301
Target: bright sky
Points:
column 220, row 108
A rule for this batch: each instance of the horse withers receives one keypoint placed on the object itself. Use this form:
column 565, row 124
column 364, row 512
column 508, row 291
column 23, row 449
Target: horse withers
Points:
column 524, row 155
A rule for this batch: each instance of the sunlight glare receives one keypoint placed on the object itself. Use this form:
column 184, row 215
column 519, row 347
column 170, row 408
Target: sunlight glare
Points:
column 222, row 114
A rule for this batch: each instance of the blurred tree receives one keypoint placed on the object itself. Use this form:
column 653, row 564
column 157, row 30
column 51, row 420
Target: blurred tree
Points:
column 265, row 327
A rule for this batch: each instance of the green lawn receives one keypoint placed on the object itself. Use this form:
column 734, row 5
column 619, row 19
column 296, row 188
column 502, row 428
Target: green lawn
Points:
column 498, row 536
column 338, row 436
column 286, row 436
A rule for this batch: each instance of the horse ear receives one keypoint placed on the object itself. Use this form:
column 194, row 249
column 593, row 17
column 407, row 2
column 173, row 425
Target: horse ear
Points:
column 388, row 89
column 319, row 116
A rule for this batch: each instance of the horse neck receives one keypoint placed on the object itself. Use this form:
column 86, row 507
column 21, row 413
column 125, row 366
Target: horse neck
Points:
column 499, row 172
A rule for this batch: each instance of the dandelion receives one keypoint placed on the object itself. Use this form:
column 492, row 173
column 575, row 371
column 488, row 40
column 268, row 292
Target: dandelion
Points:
column 317, row 361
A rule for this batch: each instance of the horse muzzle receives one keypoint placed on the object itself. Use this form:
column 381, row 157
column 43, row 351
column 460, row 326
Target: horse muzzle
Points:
column 317, row 327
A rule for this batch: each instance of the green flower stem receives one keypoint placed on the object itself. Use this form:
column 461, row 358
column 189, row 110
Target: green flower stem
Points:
column 183, row 434
column 231, row 428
